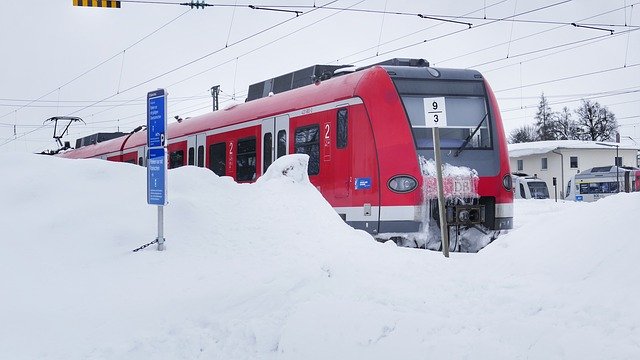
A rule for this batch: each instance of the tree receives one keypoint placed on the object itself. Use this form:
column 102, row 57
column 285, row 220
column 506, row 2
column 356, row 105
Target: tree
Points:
column 597, row 123
column 523, row 134
column 545, row 120
column 566, row 128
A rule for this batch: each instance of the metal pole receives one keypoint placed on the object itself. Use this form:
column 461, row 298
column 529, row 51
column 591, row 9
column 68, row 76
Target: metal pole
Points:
column 444, row 229
column 617, row 170
column 160, row 239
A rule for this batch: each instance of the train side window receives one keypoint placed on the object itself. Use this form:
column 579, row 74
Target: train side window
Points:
column 343, row 126
column 267, row 143
column 191, row 156
column 131, row 161
column 282, row 144
column 522, row 193
column 246, row 160
column 176, row 159
column 308, row 142
column 201, row 156
column 140, row 161
column 218, row 158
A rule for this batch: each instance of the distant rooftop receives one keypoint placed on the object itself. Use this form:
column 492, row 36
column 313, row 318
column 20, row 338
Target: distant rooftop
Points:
column 543, row 147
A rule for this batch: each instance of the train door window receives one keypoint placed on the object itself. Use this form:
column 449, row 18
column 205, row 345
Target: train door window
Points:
column 343, row 126
column 282, row 144
column 308, row 142
column 246, row 160
column 568, row 188
column 201, row 156
column 520, row 165
column 267, row 143
column 140, row 161
column 522, row 193
column 218, row 158
column 176, row 159
column 191, row 156
column 574, row 162
column 543, row 164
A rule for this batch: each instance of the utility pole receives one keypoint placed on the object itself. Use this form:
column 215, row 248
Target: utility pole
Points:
column 215, row 92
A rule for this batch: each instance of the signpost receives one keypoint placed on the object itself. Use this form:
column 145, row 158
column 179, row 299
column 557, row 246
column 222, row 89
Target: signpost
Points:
column 435, row 117
column 157, row 156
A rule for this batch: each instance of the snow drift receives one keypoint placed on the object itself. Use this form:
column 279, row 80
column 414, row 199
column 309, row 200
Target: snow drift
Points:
column 270, row 271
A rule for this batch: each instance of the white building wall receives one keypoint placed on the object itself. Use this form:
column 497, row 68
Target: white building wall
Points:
column 587, row 158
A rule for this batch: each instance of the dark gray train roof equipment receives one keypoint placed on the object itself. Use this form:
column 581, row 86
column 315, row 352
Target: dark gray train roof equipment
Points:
column 311, row 74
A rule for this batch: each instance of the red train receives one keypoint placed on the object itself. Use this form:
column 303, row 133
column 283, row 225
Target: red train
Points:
column 364, row 131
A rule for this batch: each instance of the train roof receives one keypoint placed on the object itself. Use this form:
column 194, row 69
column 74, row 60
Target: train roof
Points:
column 602, row 171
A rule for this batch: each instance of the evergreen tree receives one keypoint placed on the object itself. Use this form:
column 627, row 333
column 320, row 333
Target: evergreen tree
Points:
column 597, row 123
column 545, row 120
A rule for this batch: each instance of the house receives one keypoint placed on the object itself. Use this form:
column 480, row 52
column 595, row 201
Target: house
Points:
column 562, row 159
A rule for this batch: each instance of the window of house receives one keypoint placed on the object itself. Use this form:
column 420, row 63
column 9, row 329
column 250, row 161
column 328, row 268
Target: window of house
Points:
column 520, row 165
column 201, row 156
column 176, row 159
column 543, row 164
column 267, row 142
column 308, row 142
column 573, row 162
column 218, row 158
column 246, row 160
column 343, row 126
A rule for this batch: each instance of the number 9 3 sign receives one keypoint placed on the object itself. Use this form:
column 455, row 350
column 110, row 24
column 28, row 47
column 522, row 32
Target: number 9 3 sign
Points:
column 435, row 112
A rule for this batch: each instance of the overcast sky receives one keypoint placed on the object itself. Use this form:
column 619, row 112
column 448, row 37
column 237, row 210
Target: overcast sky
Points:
column 99, row 64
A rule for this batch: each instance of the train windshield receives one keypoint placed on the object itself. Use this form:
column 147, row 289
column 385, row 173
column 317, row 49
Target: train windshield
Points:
column 467, row 112
column 464, row 115
column 538, row 190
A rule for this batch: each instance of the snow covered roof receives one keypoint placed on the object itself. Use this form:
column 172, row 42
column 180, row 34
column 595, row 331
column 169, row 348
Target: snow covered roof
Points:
column 543, row 147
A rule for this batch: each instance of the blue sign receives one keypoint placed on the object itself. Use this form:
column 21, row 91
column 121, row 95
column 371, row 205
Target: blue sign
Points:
column 579, row 198
column 156, row 118
column 363, row 183
column 157, row 177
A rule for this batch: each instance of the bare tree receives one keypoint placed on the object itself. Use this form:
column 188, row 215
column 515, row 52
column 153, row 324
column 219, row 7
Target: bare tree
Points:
column 523, row 134
column 566, row 128
column 597, row 123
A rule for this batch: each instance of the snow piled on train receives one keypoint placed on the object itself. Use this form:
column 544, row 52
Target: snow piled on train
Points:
column 270, row 271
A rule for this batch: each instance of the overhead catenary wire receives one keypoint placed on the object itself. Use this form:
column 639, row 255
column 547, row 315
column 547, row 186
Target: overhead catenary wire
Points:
column 102, row 62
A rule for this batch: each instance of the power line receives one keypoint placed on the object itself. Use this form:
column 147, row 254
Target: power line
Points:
column 97, row 66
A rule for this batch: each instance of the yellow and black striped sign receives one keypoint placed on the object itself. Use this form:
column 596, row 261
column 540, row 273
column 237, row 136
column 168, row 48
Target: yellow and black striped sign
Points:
column 97, row 3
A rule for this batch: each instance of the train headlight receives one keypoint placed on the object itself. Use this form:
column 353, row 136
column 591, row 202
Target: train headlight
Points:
column 507, row 182
column 402, row 183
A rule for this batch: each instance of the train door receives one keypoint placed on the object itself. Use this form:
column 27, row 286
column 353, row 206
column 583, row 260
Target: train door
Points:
column 200, row 150
column 275, row 140
column 342, row 155
column 191, row 150
column 142, row 151
column 267, row 151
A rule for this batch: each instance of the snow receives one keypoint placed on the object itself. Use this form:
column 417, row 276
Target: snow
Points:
column 269, row 271
column 543, row 147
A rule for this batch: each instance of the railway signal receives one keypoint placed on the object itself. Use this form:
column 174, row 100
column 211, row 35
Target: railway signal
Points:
column 97, row 3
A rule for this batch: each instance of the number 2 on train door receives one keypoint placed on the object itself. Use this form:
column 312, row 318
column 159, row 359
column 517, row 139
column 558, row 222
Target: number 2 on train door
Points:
column 327, row 141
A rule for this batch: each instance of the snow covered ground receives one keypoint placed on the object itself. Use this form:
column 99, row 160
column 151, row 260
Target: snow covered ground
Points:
column 269, row 271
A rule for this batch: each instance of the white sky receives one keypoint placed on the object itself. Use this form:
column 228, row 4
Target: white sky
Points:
column 46, row 44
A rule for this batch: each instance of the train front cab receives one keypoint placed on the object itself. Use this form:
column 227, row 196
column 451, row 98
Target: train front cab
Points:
column 394, row 98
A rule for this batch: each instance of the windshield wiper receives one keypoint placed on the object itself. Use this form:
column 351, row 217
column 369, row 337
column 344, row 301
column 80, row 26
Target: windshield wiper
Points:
column 466, row 141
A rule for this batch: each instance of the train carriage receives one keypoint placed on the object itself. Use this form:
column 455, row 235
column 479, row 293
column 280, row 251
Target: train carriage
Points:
column 364, row 132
